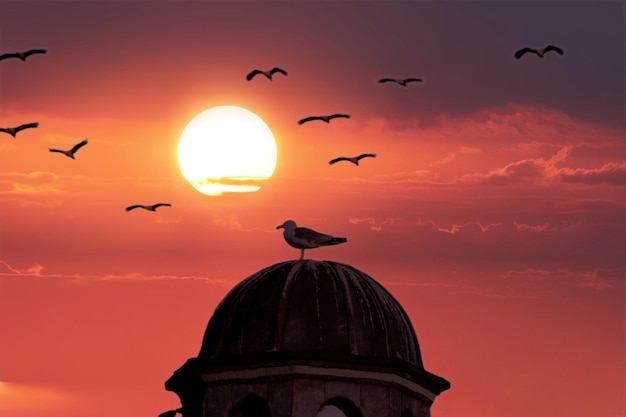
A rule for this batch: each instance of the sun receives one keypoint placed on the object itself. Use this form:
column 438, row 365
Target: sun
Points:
column 226, row 149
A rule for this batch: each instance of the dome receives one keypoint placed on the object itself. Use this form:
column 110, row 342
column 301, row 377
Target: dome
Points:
column 315, row 311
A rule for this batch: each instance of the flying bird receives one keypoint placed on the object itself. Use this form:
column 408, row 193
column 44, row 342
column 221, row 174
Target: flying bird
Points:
column 355, row 159
column 303, row 238
column 149, row 208
column 268, row 74
column 403, row 82
column 22, row 55
column 71, row 152
column 13, row 130
column 540, row 52
column 323, row 118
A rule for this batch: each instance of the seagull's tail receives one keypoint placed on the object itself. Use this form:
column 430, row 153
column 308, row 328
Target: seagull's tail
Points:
column 336, row 241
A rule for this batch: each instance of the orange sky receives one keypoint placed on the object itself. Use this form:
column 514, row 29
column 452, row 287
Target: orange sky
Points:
column 494, row 210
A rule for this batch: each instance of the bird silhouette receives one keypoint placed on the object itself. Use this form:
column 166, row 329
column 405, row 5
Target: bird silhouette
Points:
column 322, row 118
column 13, row 130
column 22, row 55
column 539, row 52
column 149, row 208
column 355, row 159
column 303, row 238
column 71, row 152
column 403, row 82
column 268, row 74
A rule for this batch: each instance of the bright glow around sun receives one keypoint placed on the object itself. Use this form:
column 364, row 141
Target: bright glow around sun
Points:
column 226, row 149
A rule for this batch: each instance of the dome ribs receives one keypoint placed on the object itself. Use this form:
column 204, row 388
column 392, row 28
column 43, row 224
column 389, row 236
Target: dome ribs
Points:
column 314, row 310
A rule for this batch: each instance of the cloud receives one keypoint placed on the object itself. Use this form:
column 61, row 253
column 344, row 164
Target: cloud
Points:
column 598, row 279
column 232, row 222
column 469, row 150
column 611, row 173
column 372, row 222
column 545, row 227
column 37, row 182
column 29, row 399
column 8, row 270
column 445, row 160
column 456, row 228
column 36, row 271
column 542, row 170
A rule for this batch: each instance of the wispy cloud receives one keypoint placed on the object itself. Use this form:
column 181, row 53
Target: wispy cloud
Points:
column 37, row 182
column 545, row 227
column 21, row 399
column 232, row 222
column 372, row 222
column 456, row 228
column 598, row 279
column 36, row 271
column 445, row 160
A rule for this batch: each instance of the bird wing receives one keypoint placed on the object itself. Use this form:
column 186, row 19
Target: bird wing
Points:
column 34, row 51
column 387, row 80
column 26, row 126
column 408, row 80
column 56, row 150
column 129, row 208
column 341, row 158
column 161, row 204
column 311, row 236
column 553, row 48
column 366, row 155
column 522, row 51
column 276, row 69
column 252, row 74
column 78, row 146
column 333, row 116
column 2, row 129
column 308, row 119
column 9, row 55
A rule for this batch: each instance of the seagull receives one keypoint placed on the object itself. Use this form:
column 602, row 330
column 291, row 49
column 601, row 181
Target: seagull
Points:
column 71, row 152
column 322, row 118
column 540, row 52
column 22, row 55
column 13, row 130
column 403, row 83
column 268, row 74
column 149, row 208
column 303, row 238
column 355, row 159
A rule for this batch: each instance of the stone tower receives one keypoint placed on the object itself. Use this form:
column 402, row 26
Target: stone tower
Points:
column 302, row 338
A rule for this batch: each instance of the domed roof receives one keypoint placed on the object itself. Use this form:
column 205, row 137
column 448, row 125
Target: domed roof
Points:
column 312, row 310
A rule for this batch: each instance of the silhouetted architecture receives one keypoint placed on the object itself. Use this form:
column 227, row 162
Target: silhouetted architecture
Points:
column 301, row 335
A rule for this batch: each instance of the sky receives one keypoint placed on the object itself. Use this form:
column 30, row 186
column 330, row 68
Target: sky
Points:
column 494, row 211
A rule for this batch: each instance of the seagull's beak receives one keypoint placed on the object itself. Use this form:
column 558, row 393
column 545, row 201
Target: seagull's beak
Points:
column 282, row 226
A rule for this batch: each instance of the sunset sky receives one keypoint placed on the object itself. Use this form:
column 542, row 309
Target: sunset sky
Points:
column 495, row 210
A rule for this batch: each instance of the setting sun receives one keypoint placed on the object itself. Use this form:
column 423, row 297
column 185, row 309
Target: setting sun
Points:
column 226, row 149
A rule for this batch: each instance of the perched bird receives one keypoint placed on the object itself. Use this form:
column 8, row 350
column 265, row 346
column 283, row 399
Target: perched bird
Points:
column 303, row 238
column 149, row 208
column 540, row 52
column 71, row 152
column 268, row 74
column 322, row 118
column 22, row 55
column 403, row 83
column 13, row 130
column 355, row 159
